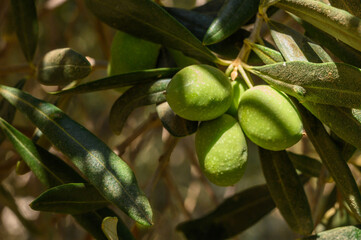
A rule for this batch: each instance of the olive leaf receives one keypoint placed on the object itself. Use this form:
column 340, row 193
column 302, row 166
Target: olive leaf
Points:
column 176, row 125
column 52, row 171
column 7, row 111
column 231, row 217
column 211, row 8
column 61, row 66
column 122, row 80
column 336, row 22
column 344, row 52
column 233, row 15
column 145, row 19
column 340, row 233
column 109, row 227
column 351, row 6
column 333, row 160
column 142, row 95
column 267, row 3
column 26, row 26
column 105, row 170
column 296, row 47
column 330, row 83
column 71, row 198
column 286, row 190
column 307, row 165
column 341, row 121
column 266, row 54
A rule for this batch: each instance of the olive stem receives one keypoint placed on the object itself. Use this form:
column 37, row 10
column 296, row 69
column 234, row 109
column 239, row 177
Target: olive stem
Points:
column 248, row 80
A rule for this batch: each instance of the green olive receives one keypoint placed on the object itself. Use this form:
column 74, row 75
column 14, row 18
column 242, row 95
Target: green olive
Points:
column 269, row 118
column 129, row 54
column 199, row 93
column 238, row 88
column 222, row 150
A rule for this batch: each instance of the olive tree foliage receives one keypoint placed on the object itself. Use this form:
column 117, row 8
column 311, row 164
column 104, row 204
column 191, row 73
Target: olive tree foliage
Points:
column 269, row 71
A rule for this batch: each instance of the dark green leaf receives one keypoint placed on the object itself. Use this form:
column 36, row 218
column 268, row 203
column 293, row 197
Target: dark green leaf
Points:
column 7, row 111
column 330, row 83
column 344, row 52
column 341, row 233
column 26, row 26
column 233, row 15
column 145, row 19
column 105, row 170
column 210, row 8
column 286, row 190
column 176, row 126
column 336, row 22
column 351, row 6
column 308, row 166
column 267, row 55
column 296, row 47
column 123, row 80
column 233, row 216
column 61, row 66
column 333, row 160
column 52, row 171
column 142, row 95
column 340, row 120
column 71, row 198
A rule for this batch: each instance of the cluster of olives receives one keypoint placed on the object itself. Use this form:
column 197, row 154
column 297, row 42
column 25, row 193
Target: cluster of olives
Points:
column 227, row 110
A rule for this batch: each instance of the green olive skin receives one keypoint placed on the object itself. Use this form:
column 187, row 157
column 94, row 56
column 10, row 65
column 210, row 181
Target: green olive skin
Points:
column 199, row 93
column 269, row 118
column 238, row 88
column 222, row 150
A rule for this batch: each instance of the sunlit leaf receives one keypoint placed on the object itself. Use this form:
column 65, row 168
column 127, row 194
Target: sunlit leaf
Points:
column 340, row 233
column 105, row 170
column 109, row 227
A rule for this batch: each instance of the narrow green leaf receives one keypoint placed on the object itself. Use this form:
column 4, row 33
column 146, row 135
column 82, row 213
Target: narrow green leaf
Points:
column 307, row 165
column 266, row 54
column 26, row 26
column 330, row 83
column 351, row 6
column 109, row 227
column 145, row 19
column 7, row 111
column 344, row 52
column 233, row 15
column 71, row 198
column 233, row 216
column 286, row 190
column 267, row 3
column 122, row 80
column 340, row 233
column 142, row 95
column 333, row 160
column 52, row 171
column 340, row 120
column 336, row 22
column 105, row 170
column 176, row 126
column 296, row 47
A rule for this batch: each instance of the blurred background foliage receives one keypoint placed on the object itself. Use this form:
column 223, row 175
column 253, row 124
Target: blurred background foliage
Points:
column 178, row 193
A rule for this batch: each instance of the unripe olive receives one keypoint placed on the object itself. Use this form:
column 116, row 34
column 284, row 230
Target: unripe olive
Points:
column 61, row 66
column 222, row 150
column 238, row 88
column 269, row 118
column 199, row 93
column 129, row 53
